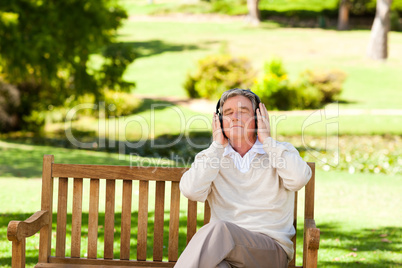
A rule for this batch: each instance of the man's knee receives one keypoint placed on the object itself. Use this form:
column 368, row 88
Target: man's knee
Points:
column 219, row 226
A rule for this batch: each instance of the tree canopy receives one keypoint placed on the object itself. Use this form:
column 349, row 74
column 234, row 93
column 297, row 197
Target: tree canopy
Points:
column 46, row 47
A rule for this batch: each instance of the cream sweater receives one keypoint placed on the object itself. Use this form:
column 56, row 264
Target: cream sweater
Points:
column 260, row 200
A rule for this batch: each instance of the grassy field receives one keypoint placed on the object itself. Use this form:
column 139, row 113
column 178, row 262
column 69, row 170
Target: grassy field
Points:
column 357, row 213
column 171, row 49
column 356, row 230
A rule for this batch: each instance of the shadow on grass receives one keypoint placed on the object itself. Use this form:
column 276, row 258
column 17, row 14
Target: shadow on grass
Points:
column 32, row 251
column 370, row 241
column 154, row 47
column 19, row 160
column 361, row 240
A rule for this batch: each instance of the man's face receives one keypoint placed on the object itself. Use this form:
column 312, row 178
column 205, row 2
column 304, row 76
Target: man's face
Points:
column 238, row 118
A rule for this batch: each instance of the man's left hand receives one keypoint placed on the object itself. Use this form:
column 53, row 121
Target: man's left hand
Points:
column 264, row 129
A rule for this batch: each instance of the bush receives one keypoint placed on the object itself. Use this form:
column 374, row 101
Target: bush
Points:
column 278, row 93
column 274, row 89
column 218, row 73
column 329, row 83
column 120, row 103
column 9, row 103
column 311, row 91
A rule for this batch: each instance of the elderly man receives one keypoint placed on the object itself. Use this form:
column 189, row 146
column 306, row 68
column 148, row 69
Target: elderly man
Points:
column 248, row 179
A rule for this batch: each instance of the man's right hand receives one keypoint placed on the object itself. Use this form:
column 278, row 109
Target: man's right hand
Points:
column 217, row 131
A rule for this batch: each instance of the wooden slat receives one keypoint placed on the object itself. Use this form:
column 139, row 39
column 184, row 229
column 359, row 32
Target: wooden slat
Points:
column 293, row 261
column 207, row 212
column 45, row 241
column 61, row 218
column 76, row 218
column 93, row 219
column 173, row 251
column 191, row 219
column 126, row 220
column 159, row 220
column 106, row 263
column 18, row 253
column 117, row 172
column 308, row 208
column 142, row 221
column 109, row 218
column 309, row 200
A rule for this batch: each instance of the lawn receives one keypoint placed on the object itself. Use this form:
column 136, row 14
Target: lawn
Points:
column 169, row 50
column 356, row 211
column 356, row 229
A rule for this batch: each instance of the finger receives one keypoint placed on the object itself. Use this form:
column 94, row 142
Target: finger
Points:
column 264, row 112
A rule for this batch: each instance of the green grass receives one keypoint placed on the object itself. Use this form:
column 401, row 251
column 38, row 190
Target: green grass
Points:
column 173, row 48
column 356, row 229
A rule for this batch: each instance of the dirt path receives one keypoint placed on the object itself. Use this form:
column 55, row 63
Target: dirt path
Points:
column 202, row 18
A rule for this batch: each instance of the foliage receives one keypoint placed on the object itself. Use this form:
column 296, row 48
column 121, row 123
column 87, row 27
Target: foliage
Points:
column 47, row 56
column 229, row 7
column 218, row 73
column 329, row 83
column 274, row 89
column 120, row 103
column 9, row 103
column 354, row 154
column 278, row 93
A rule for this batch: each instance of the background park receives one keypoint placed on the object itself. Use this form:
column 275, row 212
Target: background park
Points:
column 154, row 70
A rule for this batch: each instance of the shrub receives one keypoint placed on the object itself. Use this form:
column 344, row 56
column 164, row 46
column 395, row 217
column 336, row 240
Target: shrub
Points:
column 274, row 89
column 218, row 73
column 120, row 103
column 329, row 83
column 312, row 90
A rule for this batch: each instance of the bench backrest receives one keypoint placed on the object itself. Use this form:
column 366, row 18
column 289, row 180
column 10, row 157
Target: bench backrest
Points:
column 76, row 174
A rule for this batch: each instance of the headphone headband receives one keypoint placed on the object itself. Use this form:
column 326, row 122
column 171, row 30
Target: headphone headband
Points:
column 257, row 99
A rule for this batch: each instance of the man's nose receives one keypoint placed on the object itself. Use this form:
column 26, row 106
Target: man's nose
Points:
column 235, row 116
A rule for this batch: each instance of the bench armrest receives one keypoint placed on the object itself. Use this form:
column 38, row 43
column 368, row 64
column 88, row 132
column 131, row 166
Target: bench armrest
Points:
column 312, row 235
column 311, row 244
column 19, row 230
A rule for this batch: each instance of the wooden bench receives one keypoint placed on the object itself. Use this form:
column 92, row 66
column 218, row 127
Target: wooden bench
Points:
column 18, row 231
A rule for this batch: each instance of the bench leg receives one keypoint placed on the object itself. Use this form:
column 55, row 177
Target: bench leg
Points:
column 18, row 254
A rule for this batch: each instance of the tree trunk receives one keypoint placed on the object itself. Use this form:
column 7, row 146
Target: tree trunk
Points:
column 343, row 16
column 253, row 12
column 378, row 45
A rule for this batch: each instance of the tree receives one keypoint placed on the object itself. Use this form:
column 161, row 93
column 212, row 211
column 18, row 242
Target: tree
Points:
column 343, row 16
column 46, row 47
column 378, row 44
column 253, row 12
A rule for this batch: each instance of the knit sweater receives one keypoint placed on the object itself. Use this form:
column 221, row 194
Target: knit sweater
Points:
column 260, row 200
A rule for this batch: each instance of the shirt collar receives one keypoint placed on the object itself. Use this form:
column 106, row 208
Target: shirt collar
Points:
column 257, row 148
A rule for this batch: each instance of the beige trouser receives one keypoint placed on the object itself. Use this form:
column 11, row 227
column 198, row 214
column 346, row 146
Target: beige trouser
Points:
column 224, row 244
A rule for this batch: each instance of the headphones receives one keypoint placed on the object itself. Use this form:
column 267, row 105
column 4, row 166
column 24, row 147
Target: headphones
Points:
column 218, row 105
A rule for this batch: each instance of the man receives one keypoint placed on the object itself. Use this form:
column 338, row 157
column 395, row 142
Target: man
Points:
column 248, row 179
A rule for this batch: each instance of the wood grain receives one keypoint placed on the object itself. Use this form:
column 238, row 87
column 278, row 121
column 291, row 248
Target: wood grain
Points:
column 45, row 240
column 159, row 220
column 126, row 220
column 61, row 218
column 93, row 219
column 76, row 218
column 142, row 221
column 109, row 218
column 118, row 172
column 173, row 251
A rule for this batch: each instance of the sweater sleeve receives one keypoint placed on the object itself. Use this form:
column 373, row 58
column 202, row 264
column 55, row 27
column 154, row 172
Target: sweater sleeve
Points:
column 196, row 182
column 293, row 170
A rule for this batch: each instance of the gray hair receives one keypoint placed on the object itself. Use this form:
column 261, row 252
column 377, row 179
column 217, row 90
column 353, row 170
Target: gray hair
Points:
column 236, row 92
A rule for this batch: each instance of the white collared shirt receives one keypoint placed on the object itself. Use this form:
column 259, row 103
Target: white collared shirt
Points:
column 243, row 163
